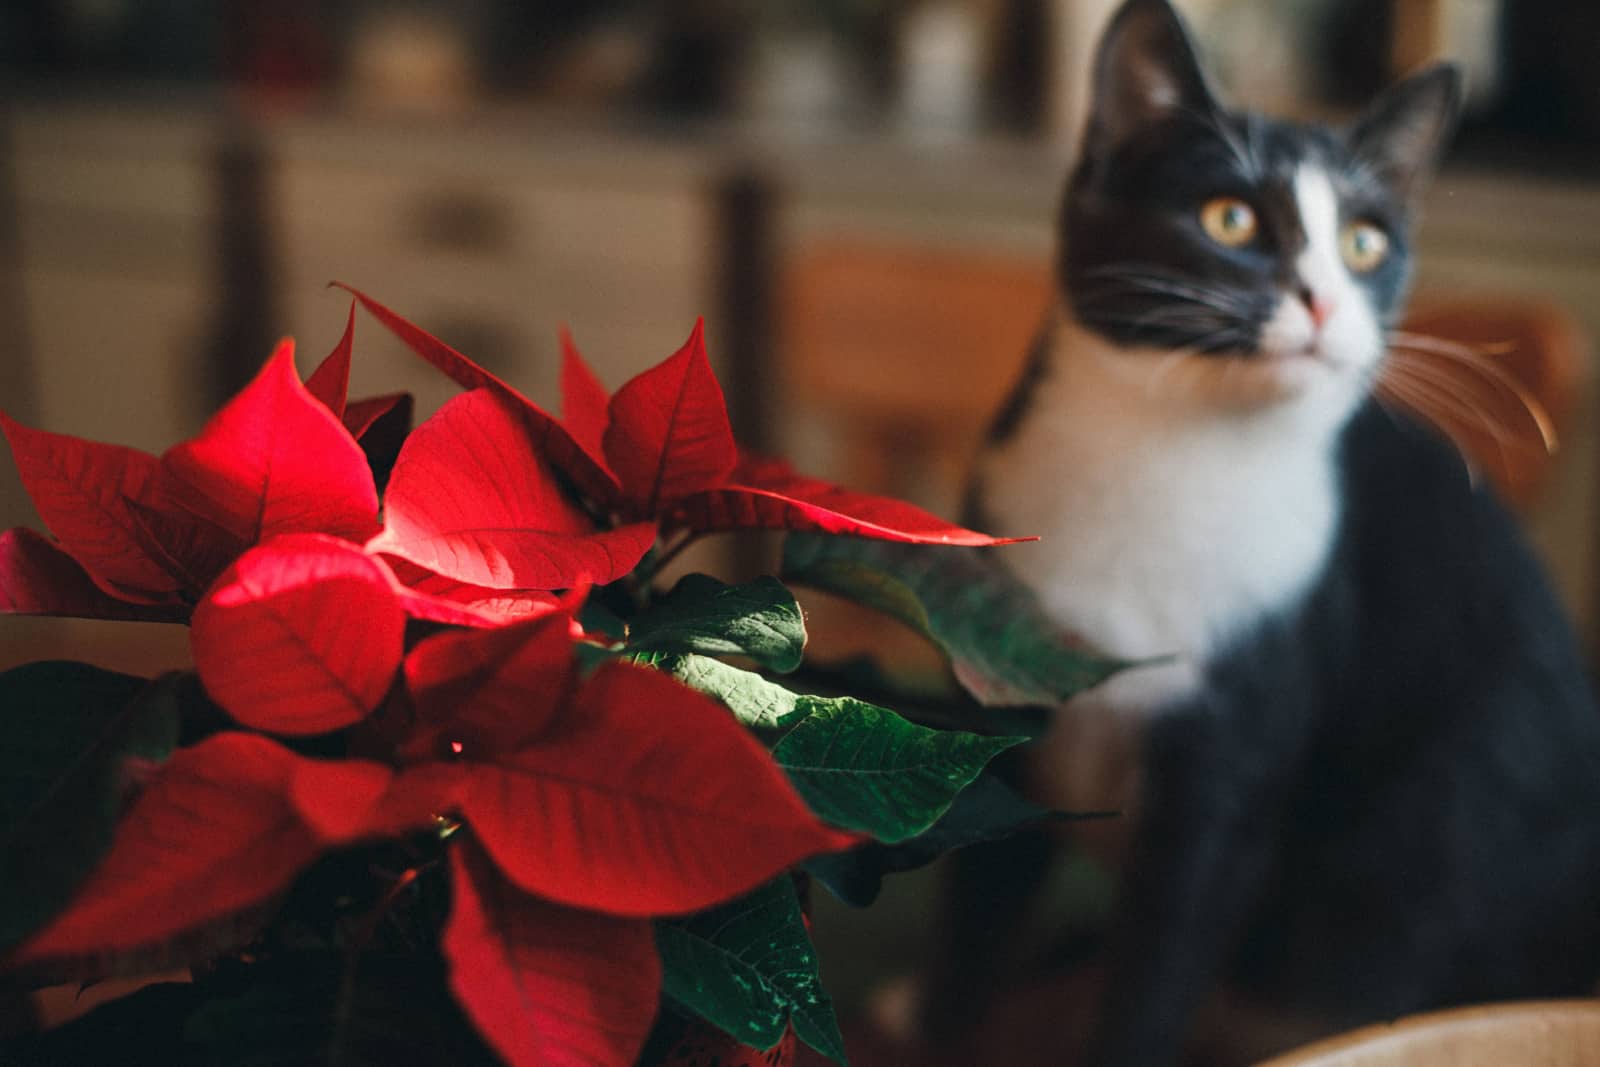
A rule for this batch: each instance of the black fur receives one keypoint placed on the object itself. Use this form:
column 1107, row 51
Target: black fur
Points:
column 1385, row 802
column 1387, row 798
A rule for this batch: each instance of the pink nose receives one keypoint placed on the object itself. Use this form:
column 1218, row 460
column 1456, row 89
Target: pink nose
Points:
column 1321, row 307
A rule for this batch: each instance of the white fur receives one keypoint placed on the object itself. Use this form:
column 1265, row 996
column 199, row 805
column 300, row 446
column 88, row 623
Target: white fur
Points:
column 1165, row 525
column 1351, row 336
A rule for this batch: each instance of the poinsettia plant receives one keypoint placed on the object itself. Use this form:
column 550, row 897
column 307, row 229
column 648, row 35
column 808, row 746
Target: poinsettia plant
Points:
column 456, row 776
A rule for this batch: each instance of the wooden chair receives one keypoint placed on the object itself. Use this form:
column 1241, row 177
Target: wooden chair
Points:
column 906, row 351
column 1557, row 1033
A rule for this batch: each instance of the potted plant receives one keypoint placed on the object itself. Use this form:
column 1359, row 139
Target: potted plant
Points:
column 456, row 777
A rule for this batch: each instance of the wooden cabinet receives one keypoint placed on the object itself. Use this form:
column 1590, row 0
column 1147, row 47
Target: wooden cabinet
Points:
column 493, row 243
column 114, row 226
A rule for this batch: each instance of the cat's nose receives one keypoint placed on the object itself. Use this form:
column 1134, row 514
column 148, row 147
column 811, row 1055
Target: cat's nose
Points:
column 1320, row 307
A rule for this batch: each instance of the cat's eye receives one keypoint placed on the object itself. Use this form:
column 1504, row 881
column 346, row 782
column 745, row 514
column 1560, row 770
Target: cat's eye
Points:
column 1363, row 246
column 1229, row 221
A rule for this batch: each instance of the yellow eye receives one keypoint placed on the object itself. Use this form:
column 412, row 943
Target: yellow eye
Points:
column 1363, row 246
column 1229, row 221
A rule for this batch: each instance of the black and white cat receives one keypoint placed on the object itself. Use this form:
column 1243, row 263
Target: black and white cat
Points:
column 1372, row 770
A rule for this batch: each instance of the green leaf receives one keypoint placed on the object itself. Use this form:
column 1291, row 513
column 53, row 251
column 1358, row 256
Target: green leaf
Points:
column 1001, row 645
column 863, row 767
column 71, row 730
column 759, row 619
column 987, row 810
column 748, row 967
column 754, row 701
column 600, row 617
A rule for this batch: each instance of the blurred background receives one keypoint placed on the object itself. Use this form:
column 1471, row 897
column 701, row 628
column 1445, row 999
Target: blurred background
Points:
column 858, row 195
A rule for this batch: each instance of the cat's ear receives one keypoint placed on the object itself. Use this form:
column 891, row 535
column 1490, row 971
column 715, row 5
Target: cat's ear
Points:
column 1146, row 70
column 1400, row 134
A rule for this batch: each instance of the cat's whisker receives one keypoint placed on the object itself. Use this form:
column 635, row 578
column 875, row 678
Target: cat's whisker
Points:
column 1487, row 371
column 1136, row 276
column 1133, row 268
column 1195, row 320
column 1447, row 390
column 1433, row 399
column 1391, row 394
column 1444, row 345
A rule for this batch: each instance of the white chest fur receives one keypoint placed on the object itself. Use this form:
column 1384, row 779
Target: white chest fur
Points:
column 1166, row 524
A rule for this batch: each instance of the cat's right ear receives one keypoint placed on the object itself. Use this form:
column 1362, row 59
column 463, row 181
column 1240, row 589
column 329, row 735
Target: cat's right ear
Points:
column 1403, row 131
column 1146, row 70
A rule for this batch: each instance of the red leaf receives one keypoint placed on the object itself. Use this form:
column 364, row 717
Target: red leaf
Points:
column 643, row 798
column 490, row 690
column 38, row 578
column 275, row 461
column 361, row 415
column 81, row 490
column 471, row 499
column 588, row 472
column 192, row 549
column 669, row 434
column 300, row 636
column 548, row 986
column 212, row 834
column 583, row 399
column 425, row 595
column 330, row 382
column 775, row 498
column 348, row 800
column 468, row 605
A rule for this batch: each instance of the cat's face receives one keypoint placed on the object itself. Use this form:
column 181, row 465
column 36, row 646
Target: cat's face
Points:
column 1231, row 257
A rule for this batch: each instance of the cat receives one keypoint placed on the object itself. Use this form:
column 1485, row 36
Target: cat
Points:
column 1370, row 754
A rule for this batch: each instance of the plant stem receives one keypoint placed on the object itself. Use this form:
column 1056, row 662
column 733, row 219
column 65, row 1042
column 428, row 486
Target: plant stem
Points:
column 650, row 572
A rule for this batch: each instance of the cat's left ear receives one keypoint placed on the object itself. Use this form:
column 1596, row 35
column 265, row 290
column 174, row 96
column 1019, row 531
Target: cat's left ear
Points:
column 1401, row 133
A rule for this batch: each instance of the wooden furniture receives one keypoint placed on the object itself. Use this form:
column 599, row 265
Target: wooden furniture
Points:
column 1535, row 1034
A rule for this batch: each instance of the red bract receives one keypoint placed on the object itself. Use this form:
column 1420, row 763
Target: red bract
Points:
column 767, row 494
column 330, row 383
column 548, row 986
column 275, row 461
column 668, row 434
column 642, row 797
column 151, row 531
column 38, row 578
column 215, row 833
column 551, row 439
column 583, row 400
column 472, row 499
column 300, row 636
column 669, row 455
column 450, row 601
column 492, row 689
column 81, row 490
